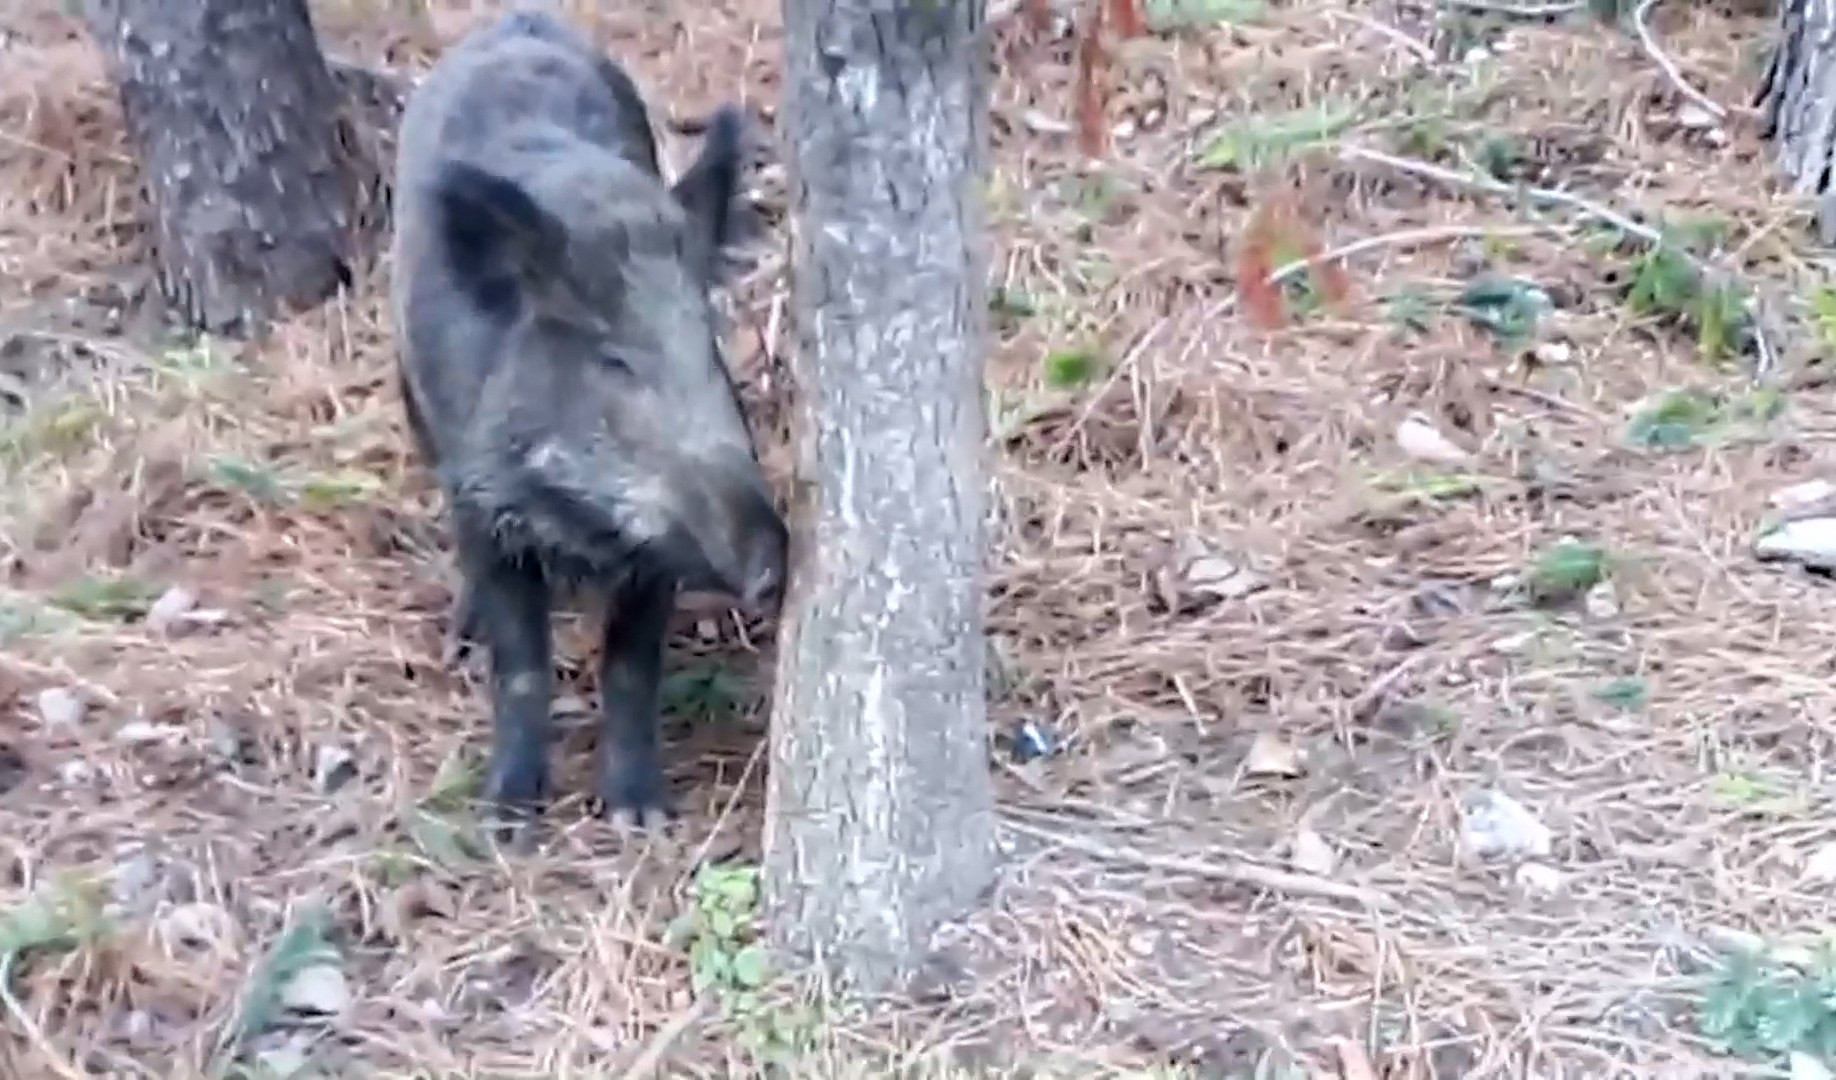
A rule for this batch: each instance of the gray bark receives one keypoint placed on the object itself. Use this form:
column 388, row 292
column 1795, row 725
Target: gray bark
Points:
column 235, row 118
column 880, row 806
column 1797, row 99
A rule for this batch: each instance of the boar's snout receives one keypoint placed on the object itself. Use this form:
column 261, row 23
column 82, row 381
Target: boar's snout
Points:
column 743, row 540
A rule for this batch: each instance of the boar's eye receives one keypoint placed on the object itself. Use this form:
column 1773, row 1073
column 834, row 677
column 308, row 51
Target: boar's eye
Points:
column 615, row 362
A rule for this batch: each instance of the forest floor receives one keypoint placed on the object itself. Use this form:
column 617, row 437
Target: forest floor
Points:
column 1364, row 760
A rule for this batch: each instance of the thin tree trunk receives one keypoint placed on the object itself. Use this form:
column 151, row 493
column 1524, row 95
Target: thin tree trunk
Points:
column 881, row 810
column 1797, row 99
column 234, row 115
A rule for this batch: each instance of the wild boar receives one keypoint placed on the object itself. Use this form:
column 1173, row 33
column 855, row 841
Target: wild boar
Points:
column 562, row 375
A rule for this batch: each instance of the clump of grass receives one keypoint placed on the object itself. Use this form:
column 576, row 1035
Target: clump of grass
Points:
column 1760, row 1008
column 1565, row 571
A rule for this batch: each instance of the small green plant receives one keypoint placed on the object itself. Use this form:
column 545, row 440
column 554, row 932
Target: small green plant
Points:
column 1626, row 695
column 1566, row 570
column 730, row 963
column 1258, row 143
column 304, row 943
column 1750, row 794
column 1072, row 369
column 1759, row 1007
column 703, row 692
column 1423, row 485
column 1823, row 309
column 54, row 432
column 112, row 598
column 1675, row 421
column 1666, row 283
column 1684, row 418
column 57, row 918
column 1508, row 308
column 434, row 825
column 1012, row 303
column 1411, row 309
column 1164, row 15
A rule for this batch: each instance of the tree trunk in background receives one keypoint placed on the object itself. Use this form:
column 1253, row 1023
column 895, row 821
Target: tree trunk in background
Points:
column 234, row 115
column 1798, row 102
column 881, row 808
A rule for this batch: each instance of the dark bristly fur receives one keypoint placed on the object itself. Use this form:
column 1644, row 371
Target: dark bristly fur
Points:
column 561, row 373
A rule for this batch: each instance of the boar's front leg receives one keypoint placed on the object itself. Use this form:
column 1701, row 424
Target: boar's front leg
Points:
column 507, row 599
column 631, row 783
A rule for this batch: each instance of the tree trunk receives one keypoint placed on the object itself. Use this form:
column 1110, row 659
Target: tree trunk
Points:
column 234, row 115
column 1798, row 101
column 880, row 806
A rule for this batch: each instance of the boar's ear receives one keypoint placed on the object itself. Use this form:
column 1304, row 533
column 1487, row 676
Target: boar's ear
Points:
column 708, row 193
column 495, row 232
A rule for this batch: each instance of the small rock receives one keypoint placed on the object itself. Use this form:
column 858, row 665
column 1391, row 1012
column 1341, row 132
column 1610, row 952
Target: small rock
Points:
column 1203, row 571
column 1422, row 440
column 287, row 1060
column 1496, row 824
column 333, row 768
column 61, row 707
column 1820, row 868
column 1601, row 601
column 197, row 925
column 1032, row 741
column 1800, row 495
column 1694, row 116
column 318, row 989
column 167, row 610
column 1539, row 879
column 145, row 733
column 223, row 738
column 1270, row 756
column 1553, row 353
column 1311, row 854
column 1513, row 644
column 76, row 772
column 1143, row 943
column 133, row 878
column 1041, row 124
column 1809, row 541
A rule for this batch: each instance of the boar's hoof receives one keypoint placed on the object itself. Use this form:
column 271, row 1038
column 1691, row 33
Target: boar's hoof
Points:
column 518, row 788
column 635, row 803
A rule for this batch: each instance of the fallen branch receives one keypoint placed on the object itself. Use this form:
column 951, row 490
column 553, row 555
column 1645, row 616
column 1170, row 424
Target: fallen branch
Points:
column 1236, row 871
column 1641, row 16
column 1400, row 238
column 1587, row 208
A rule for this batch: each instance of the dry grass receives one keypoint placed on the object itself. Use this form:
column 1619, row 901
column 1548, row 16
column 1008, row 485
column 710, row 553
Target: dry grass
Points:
column 1676, row 746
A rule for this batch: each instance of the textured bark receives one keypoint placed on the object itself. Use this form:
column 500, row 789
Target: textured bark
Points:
column 1797, row 99
column 881, row 819
column 235, row 118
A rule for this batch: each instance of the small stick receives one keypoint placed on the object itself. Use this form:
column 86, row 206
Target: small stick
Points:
column 651, row 1058
column 1567, row 200
column 1400, row 238
column 1648, row 40
column 1520, row 11
column 1242, row 873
